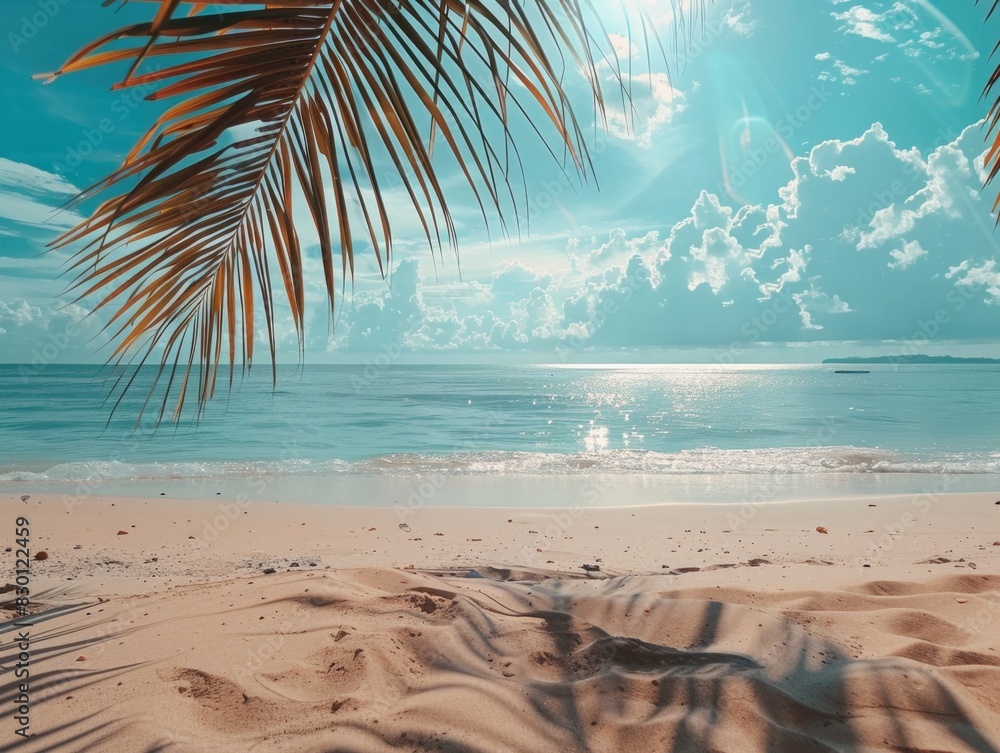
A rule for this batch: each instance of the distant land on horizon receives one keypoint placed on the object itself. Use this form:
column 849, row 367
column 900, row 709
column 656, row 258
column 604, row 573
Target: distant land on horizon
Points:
column 919, row 358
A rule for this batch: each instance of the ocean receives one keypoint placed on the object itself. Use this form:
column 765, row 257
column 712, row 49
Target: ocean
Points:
column 653, row 433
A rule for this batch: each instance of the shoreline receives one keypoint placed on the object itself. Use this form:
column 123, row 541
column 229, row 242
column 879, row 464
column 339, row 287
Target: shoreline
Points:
column 529, row 490
column 210, row 538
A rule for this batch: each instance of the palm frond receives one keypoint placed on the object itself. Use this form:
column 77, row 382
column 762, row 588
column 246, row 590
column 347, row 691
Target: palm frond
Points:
column 993, row 117
column 287, row 100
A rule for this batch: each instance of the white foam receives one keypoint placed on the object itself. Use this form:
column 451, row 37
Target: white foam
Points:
column 705, row 461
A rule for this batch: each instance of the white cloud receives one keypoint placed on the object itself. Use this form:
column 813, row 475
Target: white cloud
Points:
column 29, row 196
column 623, row 47
column 948, row 173
column 654, row 103
column 919, row 30
column 39, row 334
column 826, row 259
column 984, row 275
column 813, row 301
column 739, row 20
column 21, row 177
column 907, row 256
column 864, row 22
column 27, row 211
column 849, row 75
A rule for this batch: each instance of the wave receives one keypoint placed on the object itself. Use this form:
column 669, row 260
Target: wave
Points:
column 769, row 461
column 708, row 461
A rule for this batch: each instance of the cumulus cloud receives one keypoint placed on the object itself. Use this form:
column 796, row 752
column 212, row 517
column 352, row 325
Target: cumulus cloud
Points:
column 984, row 275
column 867, row 240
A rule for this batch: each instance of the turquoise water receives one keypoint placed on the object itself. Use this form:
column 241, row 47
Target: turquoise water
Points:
column 688, row 422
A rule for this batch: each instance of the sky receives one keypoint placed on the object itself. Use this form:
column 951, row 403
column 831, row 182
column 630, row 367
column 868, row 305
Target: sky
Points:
column 805, row 181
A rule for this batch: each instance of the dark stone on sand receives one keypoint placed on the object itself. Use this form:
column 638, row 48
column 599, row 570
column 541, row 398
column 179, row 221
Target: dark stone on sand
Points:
column 269, row 571
column 591, row 568
column 25, row 497
column 293, row 564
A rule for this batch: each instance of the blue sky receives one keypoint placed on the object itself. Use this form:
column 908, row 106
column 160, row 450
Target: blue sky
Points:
column 806, row 183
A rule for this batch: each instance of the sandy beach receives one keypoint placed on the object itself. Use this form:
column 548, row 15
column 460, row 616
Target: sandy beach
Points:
column 534, row 376
column 158, row 624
